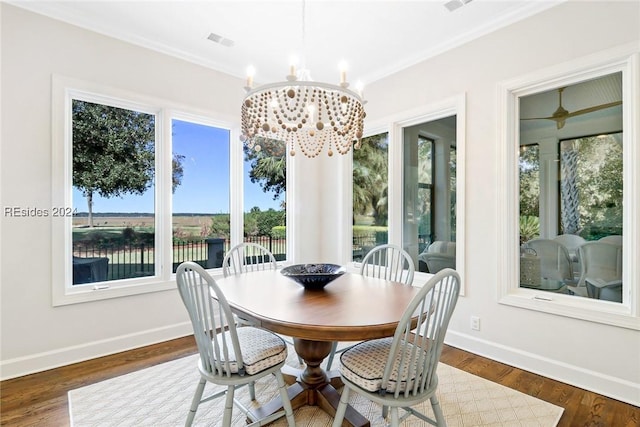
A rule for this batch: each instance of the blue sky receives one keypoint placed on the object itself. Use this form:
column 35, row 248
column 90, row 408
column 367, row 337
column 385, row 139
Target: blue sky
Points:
column 205, row 183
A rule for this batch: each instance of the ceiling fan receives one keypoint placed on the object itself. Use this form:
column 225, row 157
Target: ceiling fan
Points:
column 561, row 114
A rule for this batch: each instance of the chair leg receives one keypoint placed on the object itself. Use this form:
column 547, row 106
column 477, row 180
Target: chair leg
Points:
column 385, row 411
column 437, row 411
column 286, row 403
column 342, row 407
column 252, row 390
column 395, row 419
column 197, row 397
column 228, row 406
column 334, row 348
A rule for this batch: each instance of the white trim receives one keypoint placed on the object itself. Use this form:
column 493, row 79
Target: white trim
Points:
column 344, row 231
column 395, row 193
column 623, row 59
column 65, row 89
column 67, row 13
column 454, row 106
column 607, row 385
column 236, row 214
column 19, row 366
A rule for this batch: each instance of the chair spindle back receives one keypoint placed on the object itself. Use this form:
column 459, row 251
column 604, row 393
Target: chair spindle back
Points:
column 415, row 352
column 388, row 262
column 212, row 320
column 247, row 257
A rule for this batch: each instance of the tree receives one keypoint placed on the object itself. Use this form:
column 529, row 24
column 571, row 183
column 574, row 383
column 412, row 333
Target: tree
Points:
column 370, row 178
column 529, row 166
column 113, row 152
column 220, row 225
column 261, row 223
column 177, row 171
column 268, row 166
column 600, row 184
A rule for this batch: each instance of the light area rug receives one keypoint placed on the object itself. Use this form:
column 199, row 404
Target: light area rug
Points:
column 160, row 396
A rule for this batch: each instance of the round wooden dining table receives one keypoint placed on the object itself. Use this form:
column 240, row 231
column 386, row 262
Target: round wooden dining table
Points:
column 350, row 308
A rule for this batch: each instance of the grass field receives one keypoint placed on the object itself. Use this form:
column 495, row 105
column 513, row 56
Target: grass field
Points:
column 142, row 221
column 136, row 258
column 188, row 225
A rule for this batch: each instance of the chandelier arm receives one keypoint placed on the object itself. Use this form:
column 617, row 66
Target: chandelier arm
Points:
column 302, row 114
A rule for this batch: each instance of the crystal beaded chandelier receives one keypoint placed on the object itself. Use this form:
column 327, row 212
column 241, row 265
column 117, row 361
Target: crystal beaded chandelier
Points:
column 302, row 113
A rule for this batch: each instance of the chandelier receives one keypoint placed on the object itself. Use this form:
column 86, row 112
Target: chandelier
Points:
column 304, row 114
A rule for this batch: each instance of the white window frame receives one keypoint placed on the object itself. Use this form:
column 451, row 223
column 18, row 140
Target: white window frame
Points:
column 64, row 90
column 454, row 106
column 623, row 59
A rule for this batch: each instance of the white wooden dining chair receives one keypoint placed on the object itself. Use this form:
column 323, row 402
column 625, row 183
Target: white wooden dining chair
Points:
column 389, row 262
column 229, row 356
column 244, row 258
column 401, row 371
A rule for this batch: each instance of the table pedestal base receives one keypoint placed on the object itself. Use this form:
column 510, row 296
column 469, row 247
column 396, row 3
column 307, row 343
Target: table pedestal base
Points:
column 313, row 386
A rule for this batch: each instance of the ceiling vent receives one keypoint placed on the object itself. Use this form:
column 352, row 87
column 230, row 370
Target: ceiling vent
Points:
column 455, row 4
column 221, row 40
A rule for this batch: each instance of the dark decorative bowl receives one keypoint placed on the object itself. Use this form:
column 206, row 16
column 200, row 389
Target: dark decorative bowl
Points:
column 313, row 276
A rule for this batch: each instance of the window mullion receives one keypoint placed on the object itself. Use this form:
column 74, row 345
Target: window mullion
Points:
column 236, row 184
column 163, row 217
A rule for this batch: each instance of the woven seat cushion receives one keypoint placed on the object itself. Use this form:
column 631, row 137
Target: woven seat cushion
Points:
column 260, row 349
column 363, row 365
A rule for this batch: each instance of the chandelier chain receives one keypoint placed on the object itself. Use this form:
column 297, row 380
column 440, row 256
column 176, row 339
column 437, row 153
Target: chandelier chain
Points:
column 302, row 114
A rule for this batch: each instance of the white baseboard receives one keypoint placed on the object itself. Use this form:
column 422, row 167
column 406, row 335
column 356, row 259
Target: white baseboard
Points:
column 606, row 385
column 25, row 365
column 616, row 388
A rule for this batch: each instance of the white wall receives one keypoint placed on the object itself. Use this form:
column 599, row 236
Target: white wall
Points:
column 36, row 336
column 594, row 356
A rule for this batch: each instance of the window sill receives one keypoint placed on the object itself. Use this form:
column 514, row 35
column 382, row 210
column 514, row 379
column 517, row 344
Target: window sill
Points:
column 604, row 312
column 103, row 291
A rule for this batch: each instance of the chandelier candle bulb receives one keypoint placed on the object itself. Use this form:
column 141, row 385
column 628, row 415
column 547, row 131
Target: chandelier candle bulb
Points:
column 306, row 115
column 302, row 113
column 343, row 72
column 250, row 72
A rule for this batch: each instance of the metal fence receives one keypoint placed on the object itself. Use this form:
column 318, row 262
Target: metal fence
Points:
column 96, row 262
column 364, row 242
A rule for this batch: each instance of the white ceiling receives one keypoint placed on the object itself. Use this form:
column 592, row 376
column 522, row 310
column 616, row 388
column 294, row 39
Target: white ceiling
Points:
column 577, row 96
column 375, row 37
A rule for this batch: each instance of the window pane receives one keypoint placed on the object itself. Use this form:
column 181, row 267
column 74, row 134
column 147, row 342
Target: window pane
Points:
column 113, row 191
column 200, row 204
column 429, row 196
column 370, row 203
column 571, row 192
column 591, row 186
column 265, row 184
column 529, row 167
column 425, row 192
column 453, row 170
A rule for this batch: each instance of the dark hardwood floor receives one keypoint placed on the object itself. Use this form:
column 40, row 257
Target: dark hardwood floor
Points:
column 41, row 399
